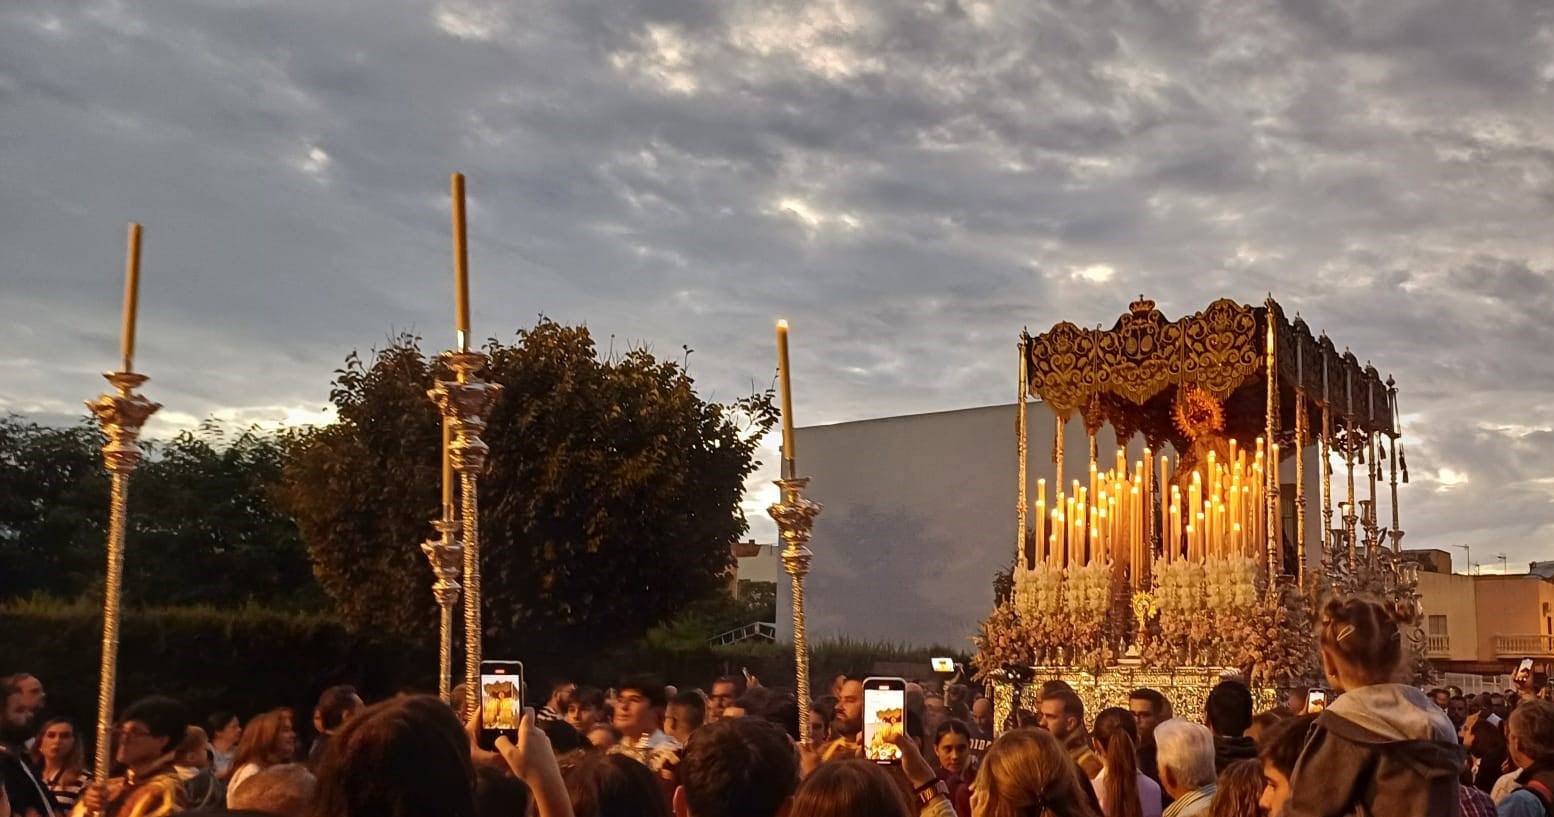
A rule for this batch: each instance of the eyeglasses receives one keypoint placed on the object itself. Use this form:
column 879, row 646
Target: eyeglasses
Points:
column 129, row 730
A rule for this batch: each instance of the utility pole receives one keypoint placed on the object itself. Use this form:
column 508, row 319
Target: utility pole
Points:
column 1467, row 556
column 1501, row 557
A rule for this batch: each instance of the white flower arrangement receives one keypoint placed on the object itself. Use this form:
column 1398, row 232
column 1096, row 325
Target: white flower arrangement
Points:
column 1230, row 584
column 1038, row 592
column 1178, row 587
column 1089, row 592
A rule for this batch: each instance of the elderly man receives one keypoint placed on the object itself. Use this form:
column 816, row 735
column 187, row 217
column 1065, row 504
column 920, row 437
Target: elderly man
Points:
column 1186, row 758
column 1532, row 748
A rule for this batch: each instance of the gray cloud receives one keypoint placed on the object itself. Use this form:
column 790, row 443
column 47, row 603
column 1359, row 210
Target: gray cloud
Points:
column 909, row 184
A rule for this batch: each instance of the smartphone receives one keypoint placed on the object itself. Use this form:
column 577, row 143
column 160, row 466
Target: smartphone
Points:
column 501, row 701
column 1525, row 666
column 1316, row 701
column 884, row 717
column 943, row 664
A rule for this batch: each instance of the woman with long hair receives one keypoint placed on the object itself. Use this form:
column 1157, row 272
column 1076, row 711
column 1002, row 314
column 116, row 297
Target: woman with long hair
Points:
column 849, row 788
column 1381, row 747
column 1487, row 746
column 1123, row 790
column 614, row 786
column 1240, row 790
column 268, row 740
column 1027, row 773
column 59, row 754
column 952, row 753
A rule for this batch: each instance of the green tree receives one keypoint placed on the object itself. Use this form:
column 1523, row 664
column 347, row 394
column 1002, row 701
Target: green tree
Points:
column 610, row 500
column 207, row 528
column 203, row 528
column 53, row 508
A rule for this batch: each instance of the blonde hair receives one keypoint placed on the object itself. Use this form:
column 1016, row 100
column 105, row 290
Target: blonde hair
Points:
column 1363, row 637
column 1027, row 774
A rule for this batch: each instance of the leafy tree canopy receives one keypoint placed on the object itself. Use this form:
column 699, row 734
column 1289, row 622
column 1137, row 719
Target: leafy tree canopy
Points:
column 610, row 500
column 203, row 526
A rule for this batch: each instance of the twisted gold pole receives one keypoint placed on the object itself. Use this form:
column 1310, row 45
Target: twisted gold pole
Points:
column 465, row 402
column 1300, row 488
column 446, row 556
column 121, row 415
column 795, row 518
column 1330, row 547
column 1021, row 511
column 1271, row 367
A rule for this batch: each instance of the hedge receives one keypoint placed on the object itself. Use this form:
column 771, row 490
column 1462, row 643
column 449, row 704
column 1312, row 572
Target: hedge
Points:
column 252, row 659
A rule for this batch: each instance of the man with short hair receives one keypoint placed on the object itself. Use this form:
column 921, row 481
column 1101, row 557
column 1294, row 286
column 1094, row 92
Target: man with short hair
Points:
column 29, row 687
column 639, row 713
column 1457, row 710
column 1281, row 747
column 1148, row 707
column 1186, row 755
column 145, row 741
column 335, row 706
column 982, row 718
column 283, row 790
column 1063, row 714
column 686, row 713
column 1440, row 698
column 555, row 709
column 738, row 767
column 849, row 710
column 585, row 708
column 1228, row 714
column 725, row 691
column 18, row 724
column 1531, row 739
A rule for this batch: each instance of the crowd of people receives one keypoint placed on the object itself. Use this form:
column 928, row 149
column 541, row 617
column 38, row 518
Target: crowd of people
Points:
column 643, row 749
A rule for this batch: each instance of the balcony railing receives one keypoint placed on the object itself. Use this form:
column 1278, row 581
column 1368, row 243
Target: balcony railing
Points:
column 1439, row 646
column 1524, row 646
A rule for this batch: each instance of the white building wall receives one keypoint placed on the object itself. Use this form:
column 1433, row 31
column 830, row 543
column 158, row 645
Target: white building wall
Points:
column 920, row 515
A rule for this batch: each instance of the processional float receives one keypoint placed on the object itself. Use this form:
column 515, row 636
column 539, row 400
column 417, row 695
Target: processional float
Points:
column 1191, row 555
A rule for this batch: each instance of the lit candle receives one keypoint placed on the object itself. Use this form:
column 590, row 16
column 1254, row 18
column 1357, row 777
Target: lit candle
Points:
column 785, row 379
column 460, row 267
column 1041, row 510
column 131, row 299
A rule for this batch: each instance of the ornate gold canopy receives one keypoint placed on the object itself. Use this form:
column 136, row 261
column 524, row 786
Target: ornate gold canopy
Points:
column 1127, row 375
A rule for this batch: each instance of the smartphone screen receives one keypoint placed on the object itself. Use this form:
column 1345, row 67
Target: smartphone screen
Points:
column 501, row 701
column 943, row 664
column 884, row 717
column 1316, row 701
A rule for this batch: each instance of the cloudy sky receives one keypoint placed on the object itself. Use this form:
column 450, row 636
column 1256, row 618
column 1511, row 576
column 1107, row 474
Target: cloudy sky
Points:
column 909, row 183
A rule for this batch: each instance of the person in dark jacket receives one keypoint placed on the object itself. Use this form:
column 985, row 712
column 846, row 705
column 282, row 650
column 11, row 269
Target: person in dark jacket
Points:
column 1228, row 714
column 1381, row 748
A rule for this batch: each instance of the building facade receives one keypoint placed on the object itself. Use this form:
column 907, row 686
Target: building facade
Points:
column 1485, row 625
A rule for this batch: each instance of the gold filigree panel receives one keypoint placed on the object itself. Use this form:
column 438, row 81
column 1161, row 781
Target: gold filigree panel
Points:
column 1143, row 354
column 1187, row 689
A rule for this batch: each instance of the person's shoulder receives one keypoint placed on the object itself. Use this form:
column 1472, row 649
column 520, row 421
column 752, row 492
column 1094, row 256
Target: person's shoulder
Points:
column 1520, row 803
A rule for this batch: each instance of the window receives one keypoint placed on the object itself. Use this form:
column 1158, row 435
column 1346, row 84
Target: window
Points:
column 1437, row 625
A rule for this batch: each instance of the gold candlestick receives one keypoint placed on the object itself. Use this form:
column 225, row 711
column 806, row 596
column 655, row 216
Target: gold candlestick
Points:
column 121, row 414
column 465, row 402
column 445, row 554
column 785, row 384
column 795, row 518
